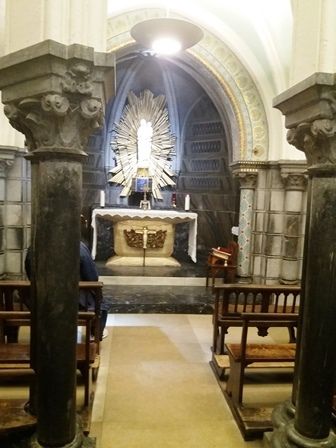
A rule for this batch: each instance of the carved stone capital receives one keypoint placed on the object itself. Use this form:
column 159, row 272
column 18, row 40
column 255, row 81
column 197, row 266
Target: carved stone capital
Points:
column 310, row 111
column 294, row 181
column 54, row 95
column 247, row 179
column 7, row 157
column 247, row 172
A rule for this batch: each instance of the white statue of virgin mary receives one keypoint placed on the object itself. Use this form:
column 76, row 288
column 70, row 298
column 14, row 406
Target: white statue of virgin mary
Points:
column 144, row 134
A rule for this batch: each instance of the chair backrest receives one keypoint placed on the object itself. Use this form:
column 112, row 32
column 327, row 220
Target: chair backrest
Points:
column 233, row 248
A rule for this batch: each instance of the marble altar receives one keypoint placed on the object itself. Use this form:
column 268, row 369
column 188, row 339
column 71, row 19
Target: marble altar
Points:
column 151, row 232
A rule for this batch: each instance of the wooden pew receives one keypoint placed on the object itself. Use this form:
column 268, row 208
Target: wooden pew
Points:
column 16, row 295
column 244, row 353
column 14, row 355
column 254, row 420
column 233, row 299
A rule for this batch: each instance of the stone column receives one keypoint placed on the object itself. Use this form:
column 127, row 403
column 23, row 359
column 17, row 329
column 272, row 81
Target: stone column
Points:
column 295, row 186
column 310, row 108
column 248, row 181
column 53, row 94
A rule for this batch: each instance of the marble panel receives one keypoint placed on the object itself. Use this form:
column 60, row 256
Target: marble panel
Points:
column 293, row 201
column 292, row 225
column 14, row 238
column 260, row 199
column 14, row 190
column 277, row 200
column 262, row 178
column 16, row 170
column 27, row 237
column 214, row 202
column 2, row 214
column 273, row 268
column 290, row 270
column 275, row 222
column 28, row 169
column 214, row 228
column 24, row 185
column 2, row 190
column 13, row 216
column 276, row 179
column 168, row 299
column 13, row 262
column 2, row 264
column 27, row 211
column 291, row 246
column 257, row 243
column 2, row 239
column 257, row 266
column 260, row 221
column 105, row 240
column 273, row 245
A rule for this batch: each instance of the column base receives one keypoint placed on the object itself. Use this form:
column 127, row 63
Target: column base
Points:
column 80, row 441
column 244, row 278
column 289, row 437
column 283, row 414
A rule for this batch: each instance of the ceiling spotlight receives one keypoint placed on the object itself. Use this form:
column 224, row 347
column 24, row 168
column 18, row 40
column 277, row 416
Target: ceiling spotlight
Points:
column 166, row 35
column 166, row 45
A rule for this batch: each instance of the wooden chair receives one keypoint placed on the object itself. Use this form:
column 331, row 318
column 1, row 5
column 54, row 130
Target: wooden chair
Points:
column 222, row 261
column 254, row 419
column 245, row 353
column 231, row 300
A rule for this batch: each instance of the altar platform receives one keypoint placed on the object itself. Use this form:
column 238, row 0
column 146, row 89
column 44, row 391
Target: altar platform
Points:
column 158, row 290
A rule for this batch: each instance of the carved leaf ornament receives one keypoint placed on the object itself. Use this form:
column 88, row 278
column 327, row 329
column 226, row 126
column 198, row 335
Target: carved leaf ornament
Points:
column 59, row 120
column 125, row 143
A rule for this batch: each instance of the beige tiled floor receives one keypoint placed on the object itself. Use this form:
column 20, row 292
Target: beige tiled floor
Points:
column 156, row 389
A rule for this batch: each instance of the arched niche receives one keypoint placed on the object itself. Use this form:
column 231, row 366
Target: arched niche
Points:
column 230, row 88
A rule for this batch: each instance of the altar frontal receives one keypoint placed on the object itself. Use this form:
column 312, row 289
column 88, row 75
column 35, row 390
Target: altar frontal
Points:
column 145, row 237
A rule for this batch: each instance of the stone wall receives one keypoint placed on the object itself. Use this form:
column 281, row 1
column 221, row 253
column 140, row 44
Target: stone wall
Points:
column 15, row 213
column 279, row 211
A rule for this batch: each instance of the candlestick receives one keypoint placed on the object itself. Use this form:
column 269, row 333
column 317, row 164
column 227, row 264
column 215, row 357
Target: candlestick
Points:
column 102, row 198
column 187, row 202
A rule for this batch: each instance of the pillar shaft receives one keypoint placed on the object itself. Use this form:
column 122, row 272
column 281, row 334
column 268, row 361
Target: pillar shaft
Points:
column 309, row 109
column 247, row 175
column 57, row 106
column 56, row 245
column 317, row 351
column 295, row 185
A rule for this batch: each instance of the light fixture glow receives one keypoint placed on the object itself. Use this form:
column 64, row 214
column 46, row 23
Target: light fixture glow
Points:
column 183, row 33
column 166, row 45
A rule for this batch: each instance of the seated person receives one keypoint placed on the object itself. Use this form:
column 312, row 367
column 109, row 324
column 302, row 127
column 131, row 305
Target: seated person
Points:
column 87, row 272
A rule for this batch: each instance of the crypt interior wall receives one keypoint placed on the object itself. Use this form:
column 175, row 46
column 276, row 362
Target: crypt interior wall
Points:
column 202, row 158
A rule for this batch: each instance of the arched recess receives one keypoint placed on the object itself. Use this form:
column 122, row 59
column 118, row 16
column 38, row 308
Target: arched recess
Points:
column 232, row 90
column 227, row 83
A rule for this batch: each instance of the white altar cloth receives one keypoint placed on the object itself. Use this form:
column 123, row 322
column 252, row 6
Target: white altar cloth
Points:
column 172, row 216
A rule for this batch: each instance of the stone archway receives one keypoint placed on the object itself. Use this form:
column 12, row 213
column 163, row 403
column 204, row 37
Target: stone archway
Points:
column 234, row 92
column 228, row 84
